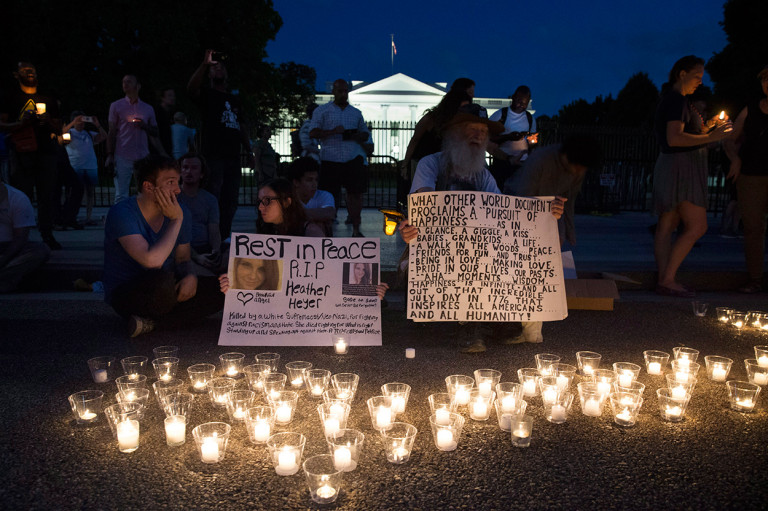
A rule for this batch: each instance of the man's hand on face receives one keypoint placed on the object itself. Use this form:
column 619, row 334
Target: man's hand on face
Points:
column 168, row 204
column 186, row 288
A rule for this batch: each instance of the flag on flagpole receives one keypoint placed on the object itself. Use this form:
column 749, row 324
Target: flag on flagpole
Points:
column 394, row 48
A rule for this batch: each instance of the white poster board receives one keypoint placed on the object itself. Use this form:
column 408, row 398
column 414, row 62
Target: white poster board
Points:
column 297, row 291
column 484, row 257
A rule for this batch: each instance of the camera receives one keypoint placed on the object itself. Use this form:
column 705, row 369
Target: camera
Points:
column 88, row 118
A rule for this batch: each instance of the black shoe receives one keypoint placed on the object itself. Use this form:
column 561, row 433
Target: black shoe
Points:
column 49, row 240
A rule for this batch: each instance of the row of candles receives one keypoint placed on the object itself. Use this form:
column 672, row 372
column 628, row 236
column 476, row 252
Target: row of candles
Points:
column 479, row 395
column 740, row 320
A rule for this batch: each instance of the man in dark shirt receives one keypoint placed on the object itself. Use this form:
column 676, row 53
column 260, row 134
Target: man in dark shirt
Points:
column 223, row 132
column 33, row 121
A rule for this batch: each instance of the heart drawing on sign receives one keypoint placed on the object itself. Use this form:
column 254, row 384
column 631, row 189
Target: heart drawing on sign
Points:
column 244, row 297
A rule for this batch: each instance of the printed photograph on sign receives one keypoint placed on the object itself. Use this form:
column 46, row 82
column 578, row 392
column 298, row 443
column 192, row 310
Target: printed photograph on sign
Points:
column 256, row 274
column 360, row 279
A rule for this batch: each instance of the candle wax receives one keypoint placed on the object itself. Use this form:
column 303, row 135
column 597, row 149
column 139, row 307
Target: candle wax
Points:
column 558, row 412
column 760, row 378
column 317, row 390
column 673, row 411
column 232, row 371
column 286, row 463
column 549, row 396
column 398, row 404
column 462, row 397
column 261, row 431
column 479, row 410
column 625, row 379
column 283, row 413
column 719, row 373
column 445, row 441
column 199, row 384
column 331, row 426
column 654, row 368
column 337, row 410
column 128, row 435
column 326, row 492
column 762, row 361
column 342, row 459
column 383, row 417
column 87, row 415
column 296, row 382
column 592, row 407
column 508, row 404
column 209, row 450
column 588, row 370
column 175, row 431
column 521, row 433
column 679, row 392
column 100, row 375
column 529, row 387
column 485, row 388
column 442, row 417
column 745, row 403
column 400, row 454
column 603, row 387
column 562, row 382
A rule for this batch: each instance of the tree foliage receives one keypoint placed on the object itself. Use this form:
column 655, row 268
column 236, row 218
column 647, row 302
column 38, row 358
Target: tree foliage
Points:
column 734, row 69
column 82, row 50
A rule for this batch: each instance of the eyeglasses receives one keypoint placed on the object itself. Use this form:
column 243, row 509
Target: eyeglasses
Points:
column 266, row 201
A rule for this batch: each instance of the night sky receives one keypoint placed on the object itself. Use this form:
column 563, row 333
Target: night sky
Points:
column 562, row 50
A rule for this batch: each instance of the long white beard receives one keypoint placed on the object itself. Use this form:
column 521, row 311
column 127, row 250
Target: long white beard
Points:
column 462, row 161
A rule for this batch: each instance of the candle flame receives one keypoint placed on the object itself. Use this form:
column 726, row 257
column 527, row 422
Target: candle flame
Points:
column 722, row 115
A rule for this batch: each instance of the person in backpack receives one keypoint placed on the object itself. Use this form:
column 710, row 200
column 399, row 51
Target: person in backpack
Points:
column 511, row 148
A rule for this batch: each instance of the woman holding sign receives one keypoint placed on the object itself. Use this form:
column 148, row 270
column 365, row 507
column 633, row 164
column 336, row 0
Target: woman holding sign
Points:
column 281, row 211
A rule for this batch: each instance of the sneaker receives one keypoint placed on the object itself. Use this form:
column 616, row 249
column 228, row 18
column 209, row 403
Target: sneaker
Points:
column 475, row 346
column 520, row 339
column 138, row 325
column 752, row 287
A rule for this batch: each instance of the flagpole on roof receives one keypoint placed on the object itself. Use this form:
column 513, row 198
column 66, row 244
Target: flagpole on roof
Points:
column 392, row 52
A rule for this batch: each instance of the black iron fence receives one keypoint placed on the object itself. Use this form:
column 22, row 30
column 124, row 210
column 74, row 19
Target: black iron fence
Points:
column 624, row 183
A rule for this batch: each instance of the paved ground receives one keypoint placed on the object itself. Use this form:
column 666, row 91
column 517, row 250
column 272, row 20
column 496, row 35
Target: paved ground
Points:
column 715, row 459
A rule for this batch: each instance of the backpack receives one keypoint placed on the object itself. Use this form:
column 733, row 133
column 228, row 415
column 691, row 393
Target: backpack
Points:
column 505, row 112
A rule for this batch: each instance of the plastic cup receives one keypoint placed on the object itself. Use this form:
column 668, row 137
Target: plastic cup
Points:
column 296, row 373
column 211, row 440
column 164, row 387
column 380, row 410
column 592, row 399
column 626, row 407
column 165, row 368
column 742, row 395
column 756, row 373
column 655, row 362
column 232, row 364
column 238, row 404
column 346, row 447
column 317, row 381
column 700, row 308
column 270, row 359
column 273, row 384
column 522, row 428
column 333, row 417
column 486, row 380
column 588, row 361
column 285, row 451
column 558, row 412
column 102, row 369
column 260, row 423
column 626, row 373
column 134, row 365
column 399, row 392
column 398, row 442
column 131, row 381
column 254, row 375
column 529, row 379
column 565, row 374
column 446, row 434
column 323, row 478
column 544, row 363
column 178, row 403
column 86, row 405
column 504, row 414
column 718, row 367
column 166, row 351
column 219, row 389
column 672, row 408
column 285, row 406
column 175, row 430
column 345, row 385
column 200, row 375
column 459, row 387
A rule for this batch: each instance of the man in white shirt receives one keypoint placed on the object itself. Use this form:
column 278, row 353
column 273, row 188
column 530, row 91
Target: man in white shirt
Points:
column 340, row 127
column 510, row 149
column 318, row 204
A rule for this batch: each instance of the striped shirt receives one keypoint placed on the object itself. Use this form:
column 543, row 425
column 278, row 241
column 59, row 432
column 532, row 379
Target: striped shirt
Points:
column 329, row 116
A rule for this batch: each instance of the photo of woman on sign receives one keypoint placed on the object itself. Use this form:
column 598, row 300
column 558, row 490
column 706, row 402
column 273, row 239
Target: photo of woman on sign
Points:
column 253, row 275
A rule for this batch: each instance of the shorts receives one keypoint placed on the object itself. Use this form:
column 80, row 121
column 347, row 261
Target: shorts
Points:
column 352, row 175
column 88, row 176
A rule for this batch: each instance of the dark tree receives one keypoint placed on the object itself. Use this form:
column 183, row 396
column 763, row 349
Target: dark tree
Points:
column 636, row 103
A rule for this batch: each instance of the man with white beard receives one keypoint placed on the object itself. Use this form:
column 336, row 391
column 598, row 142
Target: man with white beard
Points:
column 460, row 166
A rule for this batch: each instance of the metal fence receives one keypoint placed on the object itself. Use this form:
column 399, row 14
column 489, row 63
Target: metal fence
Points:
column 624, row 183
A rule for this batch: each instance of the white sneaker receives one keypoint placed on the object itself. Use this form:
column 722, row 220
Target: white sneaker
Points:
column 138, row 325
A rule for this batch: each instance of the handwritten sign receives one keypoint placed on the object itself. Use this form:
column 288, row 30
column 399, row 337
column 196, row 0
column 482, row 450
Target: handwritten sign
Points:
column 484, row 257
column 296, row 291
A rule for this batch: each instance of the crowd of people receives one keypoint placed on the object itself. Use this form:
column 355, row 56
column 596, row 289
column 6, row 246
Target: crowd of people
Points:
column 166, row 251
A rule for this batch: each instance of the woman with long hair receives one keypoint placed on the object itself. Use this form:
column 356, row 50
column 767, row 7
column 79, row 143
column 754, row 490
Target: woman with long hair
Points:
column 281, row 211
column 361, row 274
column 256, row 274
column 680, row 175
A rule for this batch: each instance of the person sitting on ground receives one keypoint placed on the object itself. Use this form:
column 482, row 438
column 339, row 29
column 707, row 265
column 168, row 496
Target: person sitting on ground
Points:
column 18, row 256
column 205, row 236
column 318, row 204
column 148, row 273
column 461, row 166
column 82, row 156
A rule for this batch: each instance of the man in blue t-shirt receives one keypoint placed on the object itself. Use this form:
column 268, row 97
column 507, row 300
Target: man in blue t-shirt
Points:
column 147, row 268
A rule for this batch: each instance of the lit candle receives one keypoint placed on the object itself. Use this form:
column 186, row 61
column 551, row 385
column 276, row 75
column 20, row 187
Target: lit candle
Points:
column 317, row 390
column 341, row 347
column 625, row 379
column 261, row 431
column 442, row 417
column 624, row 417
column 200, row 385
column 239, row 413
column 505, row 422
column 175, row 431
column 410, row 353
column 745, row 403
column 343, row 394
column 588, row 370
column 445, row 441
column 558, row 412
column 485, row 388
column 529, row 387
column 683, row 361
column 398, row 404
column 462, row 397
column 592, row 407
column 283, row 413
column 232, row 371
column 40, row 108
column 326, row 492
column 603, row 387
column 99, row 375
column 66, row 137
column 128, row 435
column 681, row 376
column 673, row 412
column 763, row 361
column 337, row 410
column 738, row 323
column 400, row 454
column 383, row 417
column 679, row 392
column 562, row 382
column 165, row 377
column 274, row 394
column 722, row 115
column 286, row 462
column 760, row 378
column 627, row 401
column 549, row 396
column 723, row 319
column 209, row 450
column 331, row 426
column 479, row 409
column 131, row 396
column 654, row 368
column 718, row 372
column 222, row 400
column 297, row 382
column 87, row 415
column 342, row 459
column 508, row 404
column 521, row 433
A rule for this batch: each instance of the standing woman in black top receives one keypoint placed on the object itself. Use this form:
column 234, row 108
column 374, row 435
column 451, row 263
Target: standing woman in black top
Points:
column 680, row 175
column 748, row 152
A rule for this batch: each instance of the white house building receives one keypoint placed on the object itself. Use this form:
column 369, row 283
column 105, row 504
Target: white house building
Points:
column 392, row 106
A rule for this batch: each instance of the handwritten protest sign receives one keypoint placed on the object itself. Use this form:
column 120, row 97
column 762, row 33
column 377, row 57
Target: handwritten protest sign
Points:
column 296, row 291
column 484, row 257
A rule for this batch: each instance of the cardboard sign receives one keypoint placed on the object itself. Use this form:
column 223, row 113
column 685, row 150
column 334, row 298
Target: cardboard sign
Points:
column 297, row 291
column 484, row 257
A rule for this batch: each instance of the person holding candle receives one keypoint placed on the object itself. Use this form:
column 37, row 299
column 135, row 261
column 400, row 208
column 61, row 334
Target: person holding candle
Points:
column 680, row 175
column 32, row 121
column 82, row 156
column 748, row 151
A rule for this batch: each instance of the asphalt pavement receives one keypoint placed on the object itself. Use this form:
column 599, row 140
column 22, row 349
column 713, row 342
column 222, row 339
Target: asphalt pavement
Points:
column 714, row 459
